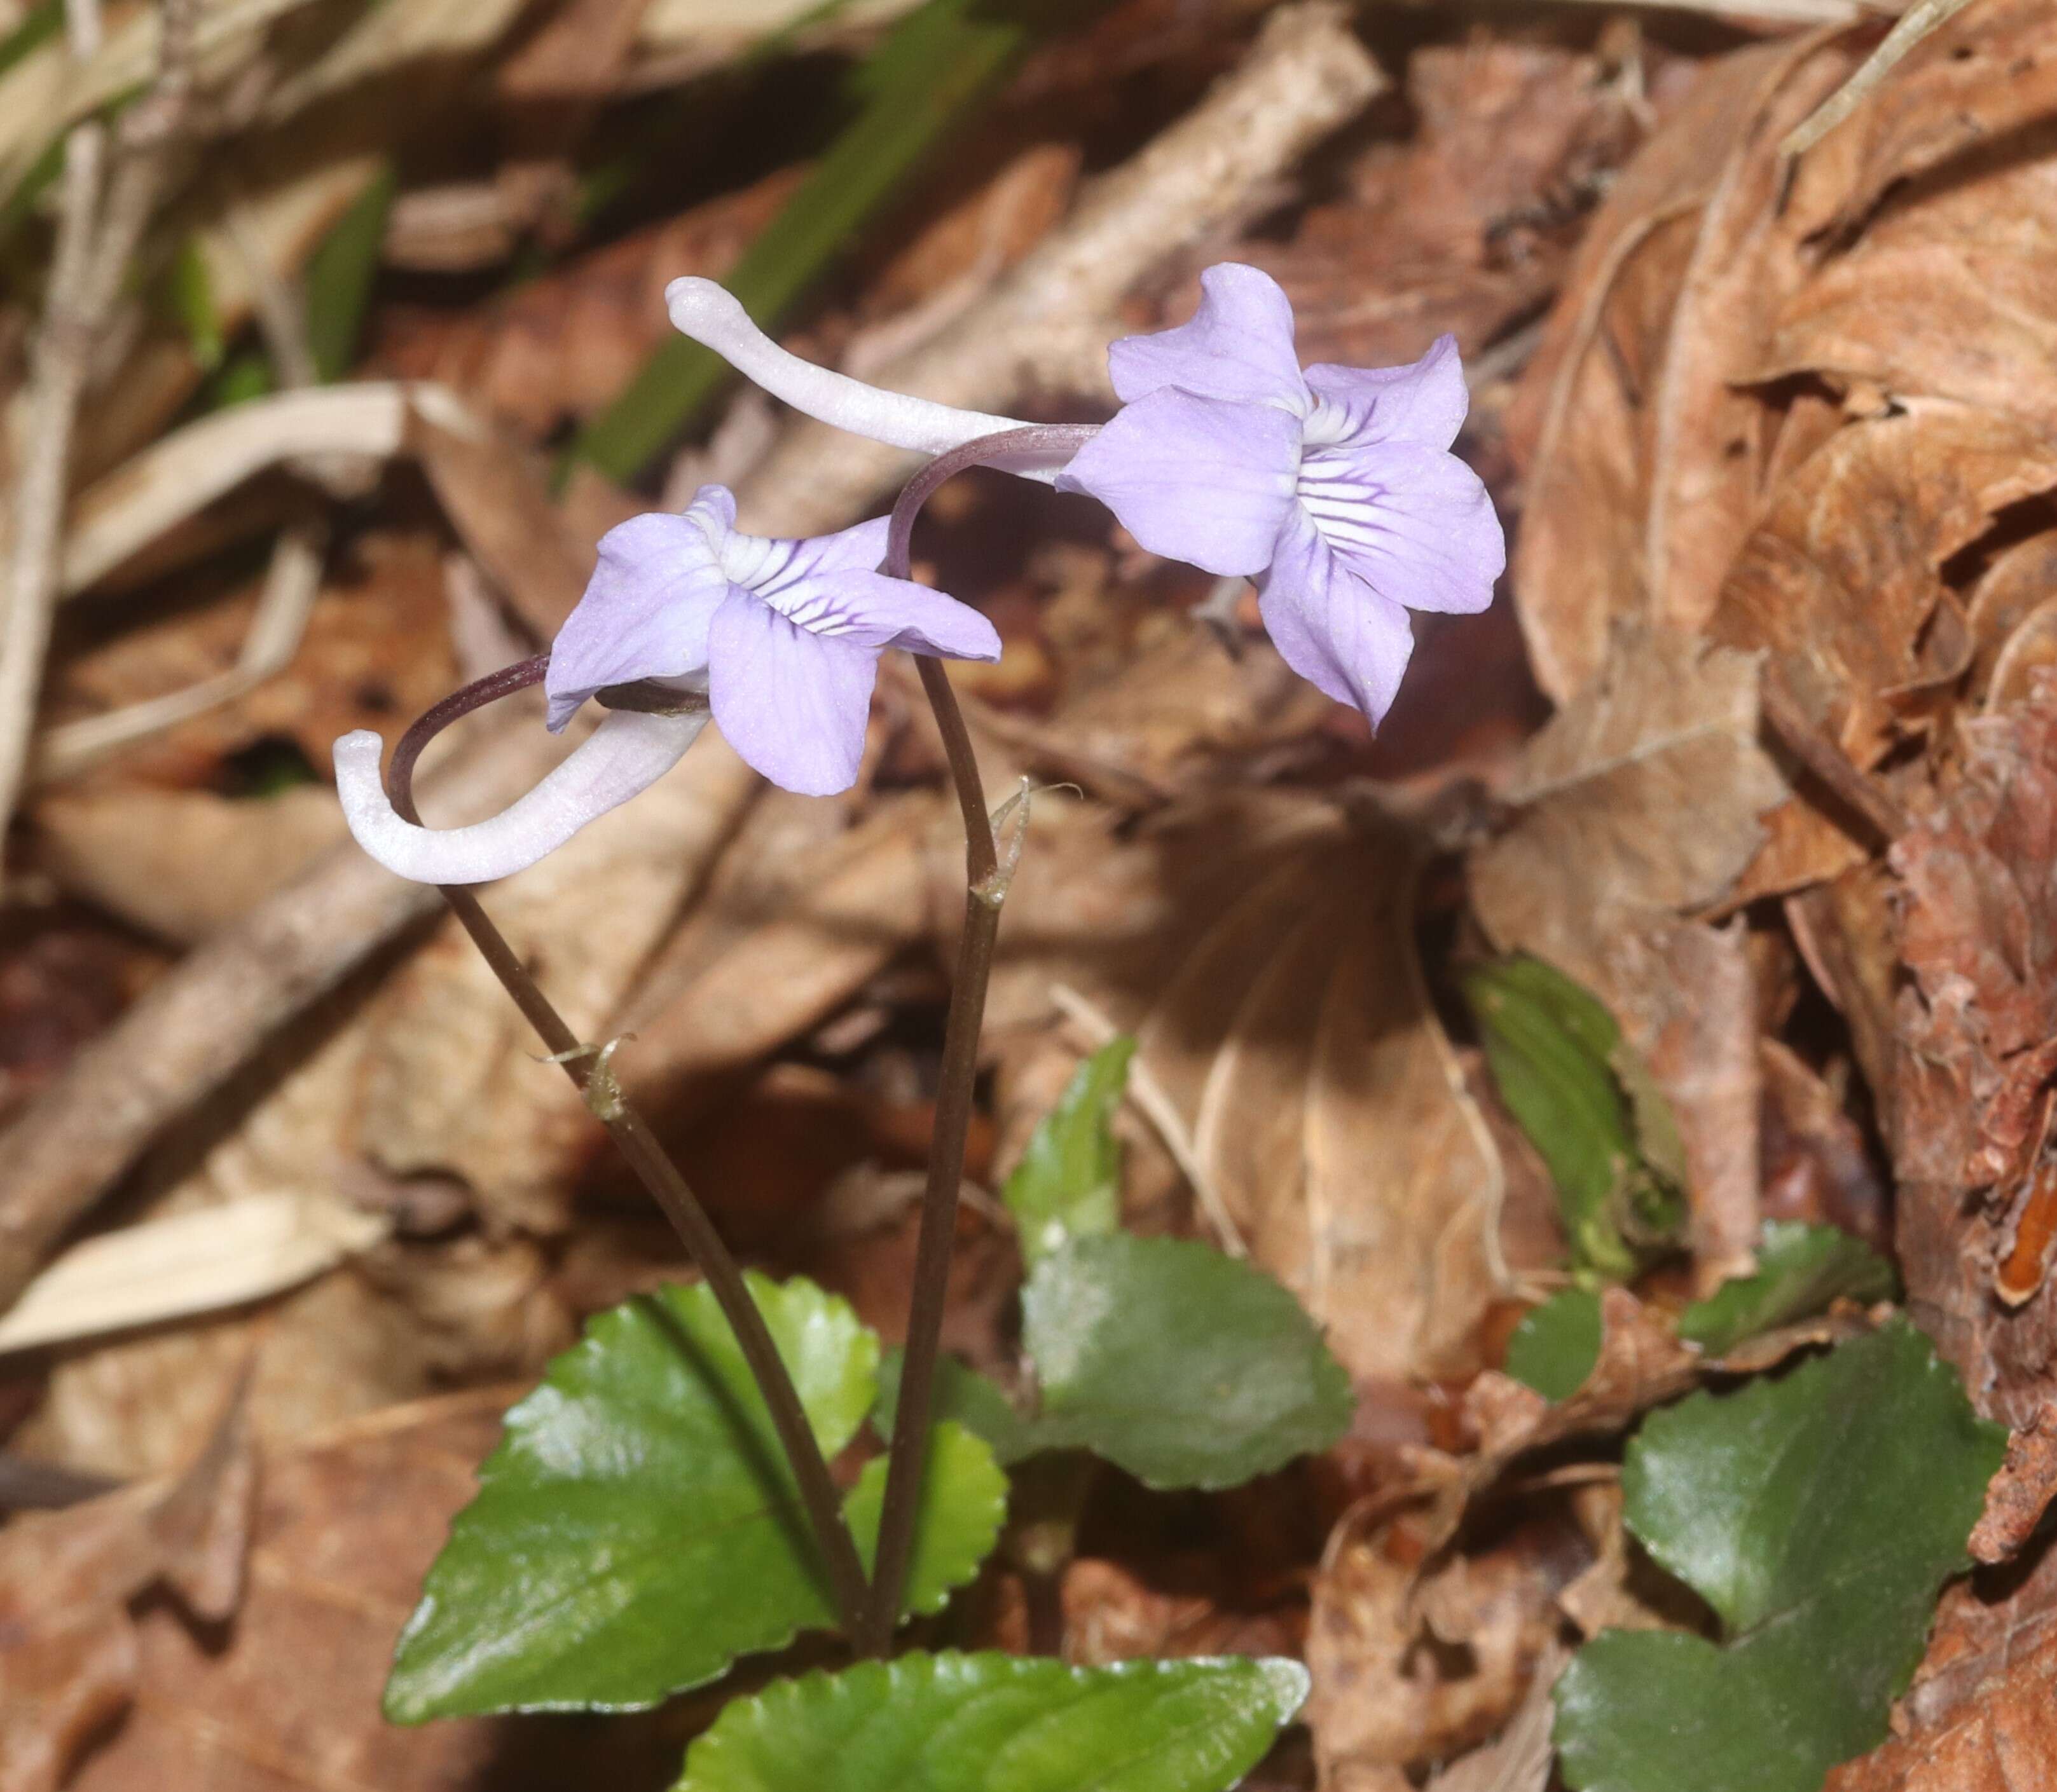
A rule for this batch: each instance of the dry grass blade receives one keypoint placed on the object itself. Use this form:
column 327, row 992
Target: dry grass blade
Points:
column 291, row 585
column 1046, row 326
column 188, row 1264
column 1919, row 19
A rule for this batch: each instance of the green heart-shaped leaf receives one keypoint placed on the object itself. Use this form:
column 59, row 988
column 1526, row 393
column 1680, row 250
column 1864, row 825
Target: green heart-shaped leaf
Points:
column 1818, row 1514
column 1182, row 1366
column 637, row 1528
column 1001, row 1723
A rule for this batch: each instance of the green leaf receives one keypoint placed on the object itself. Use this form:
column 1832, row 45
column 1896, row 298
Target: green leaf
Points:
column 1590, row 1109
column 962, row 1393
column 189, row 289
column 39, row 24
column 1002, row 1723
column 339, row 276
column 963, row 1503
column 1800, row 1269
column 1557, row 1344
column 929, row 73
column 1069, row 1183
column 1185, row 1367
column 637, row 1529
column 1818, row 1514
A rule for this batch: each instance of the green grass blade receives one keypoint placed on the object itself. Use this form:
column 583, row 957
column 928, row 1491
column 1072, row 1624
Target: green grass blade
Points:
column 924, row 78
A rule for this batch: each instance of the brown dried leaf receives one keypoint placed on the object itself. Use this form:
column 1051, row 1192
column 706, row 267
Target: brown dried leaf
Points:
column 1710, row 438
column 181, row 863
column 68, row 1660
column 376, row 653
column 344, row 1530
column 1845, row 606
column 1640, row 799
column 1586, row 417
column 451, row 1083
column 1973, row 242
column 1982, row 76
column 1520, row 1759
column 1468, row 222
column 1411, row 1668
column 1113, row 1614
column 1817, row 1167
column 1331, row 1112
column 797, row 922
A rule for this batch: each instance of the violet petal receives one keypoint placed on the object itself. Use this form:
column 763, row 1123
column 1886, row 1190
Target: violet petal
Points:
column 1331, row 627
column 1416, row 524
column 644, row 613
column 1424, row 402
column 1195, row 478
column 794, row 704
column 1238, row 346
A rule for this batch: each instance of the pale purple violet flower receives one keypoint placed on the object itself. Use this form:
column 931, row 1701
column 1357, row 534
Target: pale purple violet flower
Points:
column 780, row 638
column 786, row 634
column 1333, row 488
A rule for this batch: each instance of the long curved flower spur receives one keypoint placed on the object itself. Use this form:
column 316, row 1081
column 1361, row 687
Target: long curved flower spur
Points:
column 779, row 638
column 1333, row 488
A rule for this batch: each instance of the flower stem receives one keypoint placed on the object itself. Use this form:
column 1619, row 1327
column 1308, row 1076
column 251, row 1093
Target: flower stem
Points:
column 908, row 1455
column 657, row 1172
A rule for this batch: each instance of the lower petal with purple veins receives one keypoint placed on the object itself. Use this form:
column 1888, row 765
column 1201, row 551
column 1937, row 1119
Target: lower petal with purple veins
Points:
column 1331, row 627
column 625, row 755
column 1416, row 524
column 1204, row 480
column 793, row 703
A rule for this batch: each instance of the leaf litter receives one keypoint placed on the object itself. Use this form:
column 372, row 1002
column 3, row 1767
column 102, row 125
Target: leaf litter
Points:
column 1780, row 442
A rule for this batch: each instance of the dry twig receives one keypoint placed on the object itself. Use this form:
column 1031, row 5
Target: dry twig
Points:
column 1045, row 327
column 1921, row 19
column 101, row 220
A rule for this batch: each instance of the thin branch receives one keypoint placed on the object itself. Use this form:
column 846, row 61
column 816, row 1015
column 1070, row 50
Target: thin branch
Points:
column 1918, row 21
column 1045, row 325
column 101, row 220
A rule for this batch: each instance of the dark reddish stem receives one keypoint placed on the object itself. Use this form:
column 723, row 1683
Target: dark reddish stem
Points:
column 907, row 1459
column 657, row 1173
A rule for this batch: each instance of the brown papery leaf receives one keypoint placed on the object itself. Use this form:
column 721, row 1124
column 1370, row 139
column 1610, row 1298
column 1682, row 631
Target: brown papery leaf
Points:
column 451, row 1083
column 564, row 344
column 1639, row 803
column 1974, row 243
column 1984, row 74
column 1854, row 615
column 344, row 1530
column 2019, row 580
column 1467, row 223
column 1410, row 1668
column 1587, row 419
column 1844, row 605
column 1331, row 1111
column 68, row 1660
